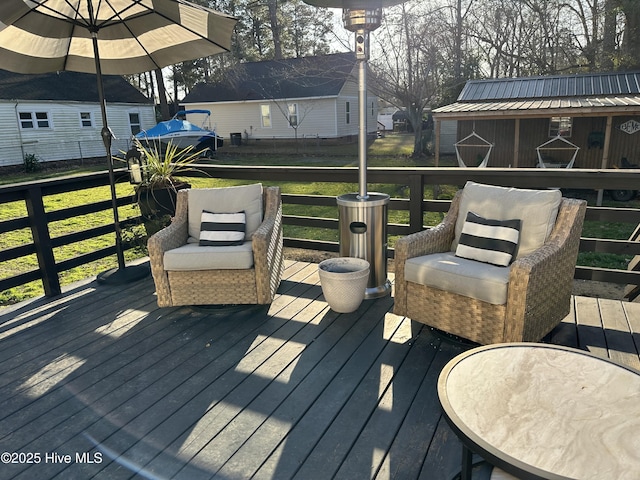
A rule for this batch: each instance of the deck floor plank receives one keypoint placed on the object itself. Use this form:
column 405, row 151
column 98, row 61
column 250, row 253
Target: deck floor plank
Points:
column 333, row 383
column 284, row 440
column 184, row 381
column 632, row 312
column 407, row 454
column 259, row 378
column 28, row 346
column 620, row 344
column 589, row 324
column 65, row 354
column 566, row 333
column 92, row 371
column 191, row 397
column 378, row 434
column 369, row 377
column 290, row 390
column 106, row 403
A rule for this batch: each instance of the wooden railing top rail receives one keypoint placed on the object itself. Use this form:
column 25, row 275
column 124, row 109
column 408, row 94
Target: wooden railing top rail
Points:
column 516, row 177
column 520, row 177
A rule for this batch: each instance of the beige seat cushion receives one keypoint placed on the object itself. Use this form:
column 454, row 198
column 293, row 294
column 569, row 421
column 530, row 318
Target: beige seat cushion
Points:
column 194, row 257
column 243, row 198
column 537, row 209
column 447, row 272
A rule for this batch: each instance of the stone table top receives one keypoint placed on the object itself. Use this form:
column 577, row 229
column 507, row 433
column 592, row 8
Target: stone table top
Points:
column 550, row 411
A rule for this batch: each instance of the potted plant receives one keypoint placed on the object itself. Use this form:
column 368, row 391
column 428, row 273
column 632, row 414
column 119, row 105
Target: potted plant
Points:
column 159, row 182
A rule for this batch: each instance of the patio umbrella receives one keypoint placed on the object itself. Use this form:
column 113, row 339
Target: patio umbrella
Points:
column 114, row 37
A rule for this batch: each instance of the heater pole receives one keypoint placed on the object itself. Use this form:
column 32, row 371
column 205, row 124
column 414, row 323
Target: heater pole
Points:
column 362, row 113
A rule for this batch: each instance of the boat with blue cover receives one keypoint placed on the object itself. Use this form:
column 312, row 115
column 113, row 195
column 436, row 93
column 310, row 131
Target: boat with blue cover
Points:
column 183, row 133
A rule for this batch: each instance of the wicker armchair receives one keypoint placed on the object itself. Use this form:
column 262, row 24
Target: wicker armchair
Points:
column 254, row 283
column 538, row 283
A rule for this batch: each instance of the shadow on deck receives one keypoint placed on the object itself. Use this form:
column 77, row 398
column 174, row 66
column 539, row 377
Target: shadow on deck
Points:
column 100, row 383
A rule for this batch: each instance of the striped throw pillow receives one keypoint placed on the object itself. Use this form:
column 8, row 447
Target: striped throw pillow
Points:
column 489, row 241
column 222, row 229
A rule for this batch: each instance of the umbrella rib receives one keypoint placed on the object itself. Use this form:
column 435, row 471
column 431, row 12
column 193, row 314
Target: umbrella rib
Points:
column 118, row 14
column 56, row 12
column 133, row 35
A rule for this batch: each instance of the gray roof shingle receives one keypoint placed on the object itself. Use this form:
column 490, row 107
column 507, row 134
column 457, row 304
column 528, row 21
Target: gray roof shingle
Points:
column 67, row 86
column 276, row 79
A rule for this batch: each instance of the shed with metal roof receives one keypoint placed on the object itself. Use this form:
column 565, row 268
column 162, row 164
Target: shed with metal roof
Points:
column 599, row 113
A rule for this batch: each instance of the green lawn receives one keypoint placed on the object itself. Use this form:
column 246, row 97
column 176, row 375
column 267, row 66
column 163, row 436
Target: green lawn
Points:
column 391, row 151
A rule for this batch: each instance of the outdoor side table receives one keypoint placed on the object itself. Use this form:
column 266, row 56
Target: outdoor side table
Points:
column 541, row 411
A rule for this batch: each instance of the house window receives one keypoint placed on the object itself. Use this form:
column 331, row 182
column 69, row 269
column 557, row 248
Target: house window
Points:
column 560, row 126
column 134, row 123
column 348, row 112
column 34, row 120
column 293, row 114
column 265, row 115
column 86, row 120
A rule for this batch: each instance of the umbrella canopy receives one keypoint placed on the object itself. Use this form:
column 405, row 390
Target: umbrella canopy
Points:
column 134, row 36
column 112, row 37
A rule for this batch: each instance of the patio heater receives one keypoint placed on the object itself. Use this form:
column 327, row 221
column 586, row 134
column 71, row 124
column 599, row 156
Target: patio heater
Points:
column 363, row 215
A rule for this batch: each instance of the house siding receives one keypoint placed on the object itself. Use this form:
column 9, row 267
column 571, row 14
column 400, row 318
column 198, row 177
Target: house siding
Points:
column 65, row 139
column 316, row 118
column 319, row 116
column 349, row 93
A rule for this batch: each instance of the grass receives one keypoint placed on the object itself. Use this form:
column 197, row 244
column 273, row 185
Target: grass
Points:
column 392, row 151
column 59, row 228
column 608, row 230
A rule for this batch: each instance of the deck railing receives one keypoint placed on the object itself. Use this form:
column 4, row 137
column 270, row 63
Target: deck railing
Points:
column 415, row 179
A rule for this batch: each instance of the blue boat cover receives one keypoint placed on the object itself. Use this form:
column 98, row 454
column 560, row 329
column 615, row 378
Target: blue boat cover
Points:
column 171, row 126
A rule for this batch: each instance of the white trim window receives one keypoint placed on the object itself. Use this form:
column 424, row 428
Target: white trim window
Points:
column 86, row 120
column 560, row 126
column 265, row 115
column 29, row 120
column 134, row 123
column 292, row 110
column 347, row 107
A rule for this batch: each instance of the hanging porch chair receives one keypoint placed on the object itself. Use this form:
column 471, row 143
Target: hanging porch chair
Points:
column 561, row 144
column 481, row 143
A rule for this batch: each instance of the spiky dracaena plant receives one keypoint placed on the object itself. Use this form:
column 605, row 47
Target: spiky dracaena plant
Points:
column 164, row 168
column 156, row 195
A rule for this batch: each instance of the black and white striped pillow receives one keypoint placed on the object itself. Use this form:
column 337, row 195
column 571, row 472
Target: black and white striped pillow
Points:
column 222, row 229
column 489, row 241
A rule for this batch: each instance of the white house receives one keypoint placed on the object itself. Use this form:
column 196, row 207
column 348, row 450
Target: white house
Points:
column 313, row 97
column 57, row 116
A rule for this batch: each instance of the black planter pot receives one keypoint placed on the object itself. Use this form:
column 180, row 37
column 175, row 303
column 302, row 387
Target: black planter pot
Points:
column 158, row 205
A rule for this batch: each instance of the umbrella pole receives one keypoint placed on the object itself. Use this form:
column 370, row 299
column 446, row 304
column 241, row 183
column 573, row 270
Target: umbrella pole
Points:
column 122, row 274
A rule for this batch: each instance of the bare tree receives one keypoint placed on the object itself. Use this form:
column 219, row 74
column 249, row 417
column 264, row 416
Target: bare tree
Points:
column 408, row 69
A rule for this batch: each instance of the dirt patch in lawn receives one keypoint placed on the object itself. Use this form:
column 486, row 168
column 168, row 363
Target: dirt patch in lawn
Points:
column 588, row 288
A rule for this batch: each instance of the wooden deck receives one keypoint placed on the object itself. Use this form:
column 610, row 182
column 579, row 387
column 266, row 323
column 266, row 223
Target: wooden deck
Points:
column 128, row 390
